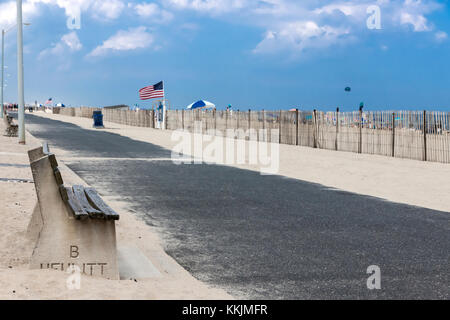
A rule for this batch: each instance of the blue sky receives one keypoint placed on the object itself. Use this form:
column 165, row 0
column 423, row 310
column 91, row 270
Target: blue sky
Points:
column 254, row 54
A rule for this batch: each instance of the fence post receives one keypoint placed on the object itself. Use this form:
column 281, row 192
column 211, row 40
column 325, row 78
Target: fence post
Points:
column 153, row 118
column 425, row 135
column 337, row 129
column 226, row 121
column 296, row 127
column 315, row 129
column 215, row 121
column 264, row 125
column 393, row 134
column 279, row 128
column 360, row 129
column 264, row 119
column 182, row 119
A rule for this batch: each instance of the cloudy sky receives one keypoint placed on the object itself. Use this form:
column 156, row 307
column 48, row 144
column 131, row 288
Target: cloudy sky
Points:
column 248, row 53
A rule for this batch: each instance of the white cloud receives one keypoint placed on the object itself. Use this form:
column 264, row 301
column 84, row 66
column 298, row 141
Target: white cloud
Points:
column 153, row 11
column 419, row 22
column 8, row 12
column 298, row 25
column 71, row 40
column 300, row 35
column 348, row 9
column 211, row 6
column 281, row 20
column 100, row 9
column 68, row 43
column 413, row 12
column 107, row 9
column 440, row 36
column 131, row 39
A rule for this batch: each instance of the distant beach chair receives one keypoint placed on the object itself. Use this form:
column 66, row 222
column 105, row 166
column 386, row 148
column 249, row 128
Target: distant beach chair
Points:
column 72, row 226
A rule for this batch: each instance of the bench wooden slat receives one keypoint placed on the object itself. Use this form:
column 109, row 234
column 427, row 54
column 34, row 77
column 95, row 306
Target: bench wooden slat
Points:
column 64, row 194
column 95, row 199
column 58, row 177
column 81, row 202
column 80, row 195
column 74, row 206
column 53, row 161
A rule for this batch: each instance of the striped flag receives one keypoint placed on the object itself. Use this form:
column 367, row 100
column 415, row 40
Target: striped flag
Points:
column 151, row 92
column 49, row 101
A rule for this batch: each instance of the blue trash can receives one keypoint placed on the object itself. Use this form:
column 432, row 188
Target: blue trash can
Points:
column 98, row 119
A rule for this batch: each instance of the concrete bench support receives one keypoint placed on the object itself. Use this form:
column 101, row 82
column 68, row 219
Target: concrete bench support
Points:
column 63, row 240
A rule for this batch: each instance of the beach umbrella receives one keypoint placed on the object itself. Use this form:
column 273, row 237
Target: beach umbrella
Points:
column 201, row 104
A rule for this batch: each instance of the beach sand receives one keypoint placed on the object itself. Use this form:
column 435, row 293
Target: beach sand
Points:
column 17, row 281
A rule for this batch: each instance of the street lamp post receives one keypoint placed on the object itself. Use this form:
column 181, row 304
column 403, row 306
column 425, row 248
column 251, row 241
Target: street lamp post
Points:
column 20, row 82
column 3, row 72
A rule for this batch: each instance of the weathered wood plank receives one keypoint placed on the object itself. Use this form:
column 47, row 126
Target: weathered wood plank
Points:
column 81, row 197
column 74, row 206
column 63, row 192
column 58, row 177
column 95, row 199
column 53, row 161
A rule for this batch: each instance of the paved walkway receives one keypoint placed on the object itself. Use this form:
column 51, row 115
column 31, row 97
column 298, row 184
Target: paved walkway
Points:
column 264, row 237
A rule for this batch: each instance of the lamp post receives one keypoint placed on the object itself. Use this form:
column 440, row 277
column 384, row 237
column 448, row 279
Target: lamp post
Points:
column 20, row 86
column 3, row 85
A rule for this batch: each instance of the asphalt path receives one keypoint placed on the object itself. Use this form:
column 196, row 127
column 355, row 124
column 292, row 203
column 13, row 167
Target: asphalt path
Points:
column 265, row 237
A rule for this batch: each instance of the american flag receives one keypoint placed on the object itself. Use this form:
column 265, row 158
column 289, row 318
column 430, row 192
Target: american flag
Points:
column 151, row 92
column 49, row 101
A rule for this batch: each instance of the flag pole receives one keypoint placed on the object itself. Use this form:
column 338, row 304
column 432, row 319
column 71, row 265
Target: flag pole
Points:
column 164, row 107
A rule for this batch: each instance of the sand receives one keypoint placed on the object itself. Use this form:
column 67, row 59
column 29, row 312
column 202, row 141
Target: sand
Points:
column 17, row 281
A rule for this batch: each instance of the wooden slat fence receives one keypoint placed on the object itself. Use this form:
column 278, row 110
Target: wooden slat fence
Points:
column 417, row 135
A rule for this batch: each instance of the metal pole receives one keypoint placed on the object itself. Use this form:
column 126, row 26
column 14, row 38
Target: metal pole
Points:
column 3, row 72
column 20, row 82
column 164, row 114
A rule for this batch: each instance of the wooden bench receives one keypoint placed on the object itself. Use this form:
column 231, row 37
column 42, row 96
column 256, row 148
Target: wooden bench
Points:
column 70, row 225
column 11, row 129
